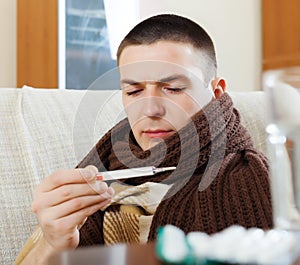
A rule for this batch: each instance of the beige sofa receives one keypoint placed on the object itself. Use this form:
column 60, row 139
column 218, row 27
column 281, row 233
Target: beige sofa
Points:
column 46, row 129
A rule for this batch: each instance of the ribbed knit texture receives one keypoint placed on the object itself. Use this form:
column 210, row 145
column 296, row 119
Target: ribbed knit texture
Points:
column 220, row 178
column 127, row 230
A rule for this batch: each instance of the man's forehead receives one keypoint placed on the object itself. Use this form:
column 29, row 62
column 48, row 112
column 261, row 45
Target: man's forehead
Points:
column 157, row 72
column 164, row 79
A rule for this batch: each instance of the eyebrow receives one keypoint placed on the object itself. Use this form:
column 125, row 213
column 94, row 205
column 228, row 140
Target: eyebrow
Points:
column 162, row 80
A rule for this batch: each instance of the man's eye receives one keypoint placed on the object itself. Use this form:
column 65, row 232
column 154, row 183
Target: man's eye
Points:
column 133, row 92
column 174, row 90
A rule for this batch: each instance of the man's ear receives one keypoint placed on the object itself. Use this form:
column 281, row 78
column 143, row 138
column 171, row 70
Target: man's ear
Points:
column 218, row 86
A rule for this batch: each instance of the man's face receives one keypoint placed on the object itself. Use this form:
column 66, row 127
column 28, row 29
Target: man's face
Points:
column 162, row 87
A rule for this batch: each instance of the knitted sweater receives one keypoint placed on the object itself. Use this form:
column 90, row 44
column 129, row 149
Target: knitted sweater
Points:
column 220, row 178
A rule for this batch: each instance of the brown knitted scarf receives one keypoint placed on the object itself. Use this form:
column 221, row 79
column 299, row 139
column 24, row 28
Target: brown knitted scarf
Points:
column 220, row 178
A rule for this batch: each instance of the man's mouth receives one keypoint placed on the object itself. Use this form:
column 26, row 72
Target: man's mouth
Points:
column 158, row 133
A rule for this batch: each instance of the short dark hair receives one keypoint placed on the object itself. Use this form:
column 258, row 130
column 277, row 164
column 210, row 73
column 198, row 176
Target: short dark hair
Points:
column 171, row 27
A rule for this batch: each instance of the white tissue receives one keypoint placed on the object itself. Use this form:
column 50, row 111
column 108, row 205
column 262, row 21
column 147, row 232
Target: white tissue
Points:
column 174, row 247
column 239, row 245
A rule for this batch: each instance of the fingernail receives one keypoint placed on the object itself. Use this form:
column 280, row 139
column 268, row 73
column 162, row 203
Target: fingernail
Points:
column 111, row 191
column 101, row 186
column 88, row 172
column 106, row 195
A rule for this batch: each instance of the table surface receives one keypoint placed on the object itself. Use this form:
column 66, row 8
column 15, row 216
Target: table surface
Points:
column 115, row 255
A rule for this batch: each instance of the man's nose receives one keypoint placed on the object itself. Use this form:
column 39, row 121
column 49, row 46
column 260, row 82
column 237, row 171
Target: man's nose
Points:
column 154, row 103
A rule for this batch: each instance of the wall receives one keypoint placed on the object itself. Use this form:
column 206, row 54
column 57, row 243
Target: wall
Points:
column 8, row 43
column 234, row 25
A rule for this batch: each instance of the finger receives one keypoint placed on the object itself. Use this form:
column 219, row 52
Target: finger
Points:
column 88, row 173
column 52, row 217
column 68, row 224
column 62, row 177
column 72, row 206
column 81, row 223
column 67, row 192
column 63, row 232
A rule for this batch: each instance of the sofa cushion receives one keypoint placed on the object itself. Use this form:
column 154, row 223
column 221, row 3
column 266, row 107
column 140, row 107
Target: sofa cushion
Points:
column 37, row 137
column 252, row 107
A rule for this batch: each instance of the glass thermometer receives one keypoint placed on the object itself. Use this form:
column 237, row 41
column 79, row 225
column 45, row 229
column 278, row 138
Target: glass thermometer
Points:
column 131, row 173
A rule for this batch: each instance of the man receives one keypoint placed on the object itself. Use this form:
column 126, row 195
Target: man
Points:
column 178, row 115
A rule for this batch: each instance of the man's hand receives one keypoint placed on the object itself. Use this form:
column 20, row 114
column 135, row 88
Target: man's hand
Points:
column 64, row 200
